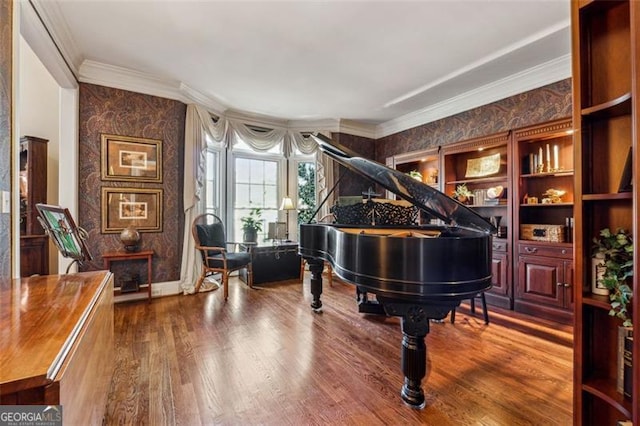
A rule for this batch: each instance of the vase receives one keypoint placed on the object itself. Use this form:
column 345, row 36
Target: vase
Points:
column 250, row 236
column 598, row 270
column 130, row 238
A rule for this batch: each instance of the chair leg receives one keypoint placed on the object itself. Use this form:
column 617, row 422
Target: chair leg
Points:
column 453, row 315
column 250, row 275
column 225, row 285
column 472, row 302
column 330, row 274
column 485, row 312
column 301, row 269
column 199, row 283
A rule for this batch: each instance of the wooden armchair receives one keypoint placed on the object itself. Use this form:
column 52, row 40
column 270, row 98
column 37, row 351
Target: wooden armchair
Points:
column 210, row 238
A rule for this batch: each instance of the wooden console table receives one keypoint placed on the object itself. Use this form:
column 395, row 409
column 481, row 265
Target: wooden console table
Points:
column 116, row 256
column 57, row 345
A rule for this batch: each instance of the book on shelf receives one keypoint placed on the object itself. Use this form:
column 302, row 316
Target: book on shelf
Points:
column 628, row 373
column 623, row 333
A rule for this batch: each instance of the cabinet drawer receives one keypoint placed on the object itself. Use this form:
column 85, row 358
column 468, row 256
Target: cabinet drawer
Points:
column 499, row 245
column 563, row 252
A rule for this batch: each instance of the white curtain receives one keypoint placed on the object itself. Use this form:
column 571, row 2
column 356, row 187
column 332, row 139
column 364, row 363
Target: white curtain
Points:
column 325, row 180
column 198, row 122
column 257, row 139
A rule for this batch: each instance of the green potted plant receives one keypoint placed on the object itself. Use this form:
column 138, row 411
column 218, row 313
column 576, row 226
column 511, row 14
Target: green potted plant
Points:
column 616, row 251
column 415, row 174
column 251, row 225
column 463, row 194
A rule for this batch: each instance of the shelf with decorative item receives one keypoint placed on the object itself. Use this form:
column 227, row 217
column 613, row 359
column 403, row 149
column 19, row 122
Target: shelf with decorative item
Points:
column 558, row 173
column 491, row 179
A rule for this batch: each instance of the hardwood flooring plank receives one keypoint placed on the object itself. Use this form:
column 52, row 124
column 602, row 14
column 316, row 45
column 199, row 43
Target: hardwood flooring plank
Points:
column 265, row 358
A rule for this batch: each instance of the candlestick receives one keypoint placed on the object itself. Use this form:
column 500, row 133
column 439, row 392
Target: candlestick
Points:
column 556, row 157
column 540, row 161
column 548, row 158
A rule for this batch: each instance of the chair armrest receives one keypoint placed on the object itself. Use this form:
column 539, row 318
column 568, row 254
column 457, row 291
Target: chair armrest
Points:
column 236, row 245
column 206, row 250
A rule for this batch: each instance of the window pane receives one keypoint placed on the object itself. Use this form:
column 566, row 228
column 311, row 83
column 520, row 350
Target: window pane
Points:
column 306, row 190
column 271, row 173
column 243, row 168
column 212, row 182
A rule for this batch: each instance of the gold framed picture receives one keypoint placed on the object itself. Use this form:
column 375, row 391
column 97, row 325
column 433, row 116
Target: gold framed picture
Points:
column 139, row 207
column 126, row 158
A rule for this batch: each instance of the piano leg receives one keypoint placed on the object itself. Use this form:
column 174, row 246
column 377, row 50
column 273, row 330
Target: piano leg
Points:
column 415, row 327
column 315, row 267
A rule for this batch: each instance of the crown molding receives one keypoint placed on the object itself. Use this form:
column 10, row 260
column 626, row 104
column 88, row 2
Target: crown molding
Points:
column 135, row 81
column 541, row 75
column 194, row 96
column 93, row 72
column 328, row 124
column 355, row 128
column 55, row 24
column 34, row 32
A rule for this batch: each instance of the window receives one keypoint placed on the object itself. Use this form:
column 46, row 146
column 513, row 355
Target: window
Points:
column 258, row 180
column 256, row 185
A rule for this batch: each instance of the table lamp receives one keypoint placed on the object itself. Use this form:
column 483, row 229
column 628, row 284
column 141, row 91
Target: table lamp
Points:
column 287, row 205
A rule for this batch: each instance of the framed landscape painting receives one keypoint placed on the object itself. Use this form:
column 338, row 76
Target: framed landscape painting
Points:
column 126, row 158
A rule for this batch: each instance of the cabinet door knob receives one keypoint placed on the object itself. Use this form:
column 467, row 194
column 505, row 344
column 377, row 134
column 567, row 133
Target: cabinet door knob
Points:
column 559, row 284
column 567, row 285
column 530, row 249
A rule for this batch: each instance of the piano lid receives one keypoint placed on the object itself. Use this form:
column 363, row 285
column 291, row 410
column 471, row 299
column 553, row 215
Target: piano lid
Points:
column 423, row 196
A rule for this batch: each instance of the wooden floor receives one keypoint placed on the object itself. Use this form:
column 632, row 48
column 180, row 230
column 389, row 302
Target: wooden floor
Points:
column 264, row 357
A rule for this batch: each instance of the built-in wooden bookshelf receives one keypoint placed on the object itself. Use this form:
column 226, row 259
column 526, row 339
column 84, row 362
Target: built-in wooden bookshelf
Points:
column 463, row 164
column 606, row 56
column 544, row 161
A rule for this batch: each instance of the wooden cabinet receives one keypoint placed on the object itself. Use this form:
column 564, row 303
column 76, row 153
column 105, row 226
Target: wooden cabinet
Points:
column 605, row 43
column 34, row 245
column 501, row 270
column 544, row 283
column 483, row 165
column 543, row 215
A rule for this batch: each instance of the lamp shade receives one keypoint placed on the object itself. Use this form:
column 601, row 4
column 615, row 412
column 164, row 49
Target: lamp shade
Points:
column 287, row 204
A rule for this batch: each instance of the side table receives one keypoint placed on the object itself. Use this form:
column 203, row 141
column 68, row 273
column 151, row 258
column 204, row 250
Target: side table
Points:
column 116, row 256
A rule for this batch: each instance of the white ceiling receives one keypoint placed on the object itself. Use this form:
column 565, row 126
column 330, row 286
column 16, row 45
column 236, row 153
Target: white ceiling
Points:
column 381, row 65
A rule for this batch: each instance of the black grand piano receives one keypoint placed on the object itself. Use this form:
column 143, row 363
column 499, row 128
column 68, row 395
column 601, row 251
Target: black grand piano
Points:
column 417, row 273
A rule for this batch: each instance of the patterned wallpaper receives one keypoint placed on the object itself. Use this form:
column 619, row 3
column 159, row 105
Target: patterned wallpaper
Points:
column 547, row 103
column 352, row 183
column 119, row 112
column 6, row 46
